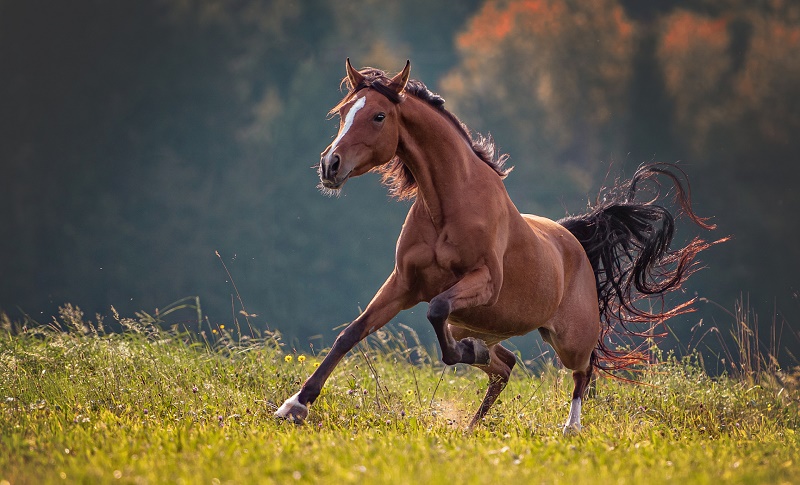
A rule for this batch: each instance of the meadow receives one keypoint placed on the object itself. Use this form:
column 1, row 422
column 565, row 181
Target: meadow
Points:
column 156, row 404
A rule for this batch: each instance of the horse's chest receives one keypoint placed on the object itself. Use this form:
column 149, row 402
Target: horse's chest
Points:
column 433, row 280
column 433, row 267
column 448, row 255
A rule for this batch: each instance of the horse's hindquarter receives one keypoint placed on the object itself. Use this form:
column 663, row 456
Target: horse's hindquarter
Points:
column 575, row 325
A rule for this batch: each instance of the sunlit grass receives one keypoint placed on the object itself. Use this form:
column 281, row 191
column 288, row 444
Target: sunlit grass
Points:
column 153, row 406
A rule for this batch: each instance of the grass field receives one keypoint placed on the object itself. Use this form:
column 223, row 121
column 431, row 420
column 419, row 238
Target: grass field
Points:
column 79, row 405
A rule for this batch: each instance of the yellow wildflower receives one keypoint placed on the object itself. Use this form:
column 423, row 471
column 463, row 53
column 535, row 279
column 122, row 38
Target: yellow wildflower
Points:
column 288, row 358
column 301, row 358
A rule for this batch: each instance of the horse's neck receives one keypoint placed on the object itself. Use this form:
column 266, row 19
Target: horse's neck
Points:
column 446, row 169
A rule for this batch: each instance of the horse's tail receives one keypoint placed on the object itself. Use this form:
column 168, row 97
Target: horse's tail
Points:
column 628, row 245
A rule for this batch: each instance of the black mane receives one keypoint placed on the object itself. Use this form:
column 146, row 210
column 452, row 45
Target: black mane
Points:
column 395, row 174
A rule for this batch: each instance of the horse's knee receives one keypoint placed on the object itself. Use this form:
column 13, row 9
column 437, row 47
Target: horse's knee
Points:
column 438, row 310
column 349, row 337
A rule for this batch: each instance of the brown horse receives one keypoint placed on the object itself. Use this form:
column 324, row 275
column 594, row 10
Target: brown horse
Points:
column 489, row 272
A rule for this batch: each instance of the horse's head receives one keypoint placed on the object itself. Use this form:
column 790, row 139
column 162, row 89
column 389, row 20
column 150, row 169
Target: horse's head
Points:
column 368, row 130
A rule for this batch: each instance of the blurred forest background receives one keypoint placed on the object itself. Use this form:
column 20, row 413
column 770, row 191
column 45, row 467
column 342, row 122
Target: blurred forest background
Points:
column 139, row 137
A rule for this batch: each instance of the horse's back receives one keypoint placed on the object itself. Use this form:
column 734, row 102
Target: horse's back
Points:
column 550, row 229
column 557, row 235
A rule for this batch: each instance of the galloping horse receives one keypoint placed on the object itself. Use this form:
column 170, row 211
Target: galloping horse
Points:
column 487, row 271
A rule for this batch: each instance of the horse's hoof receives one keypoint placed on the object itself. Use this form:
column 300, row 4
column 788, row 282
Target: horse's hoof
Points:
column 292, row 410
column 480, row 351
column 572, row 429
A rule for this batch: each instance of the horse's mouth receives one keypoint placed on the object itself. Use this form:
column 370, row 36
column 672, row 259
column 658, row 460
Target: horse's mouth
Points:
column 335, row 184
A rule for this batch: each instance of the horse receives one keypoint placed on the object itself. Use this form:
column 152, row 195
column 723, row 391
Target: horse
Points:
column 487, row 271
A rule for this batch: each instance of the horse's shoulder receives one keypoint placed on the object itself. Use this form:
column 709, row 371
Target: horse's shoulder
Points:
column 416, row 241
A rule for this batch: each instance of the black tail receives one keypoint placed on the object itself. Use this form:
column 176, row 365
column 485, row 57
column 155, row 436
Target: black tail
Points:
column 628, row 244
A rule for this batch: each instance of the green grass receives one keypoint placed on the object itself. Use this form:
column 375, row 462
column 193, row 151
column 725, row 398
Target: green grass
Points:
column 78, row 405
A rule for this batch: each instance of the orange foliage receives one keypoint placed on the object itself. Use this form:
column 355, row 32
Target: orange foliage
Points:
column 564, row 50
column 693, row 52
column 621, row 23
column 733, row 95
column 769, row 86
column 492, row 24
column 489, row 25
column 552, row 74
column 685, row 30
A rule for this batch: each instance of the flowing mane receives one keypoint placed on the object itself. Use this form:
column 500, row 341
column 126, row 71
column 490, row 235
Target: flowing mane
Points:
column 395, row 174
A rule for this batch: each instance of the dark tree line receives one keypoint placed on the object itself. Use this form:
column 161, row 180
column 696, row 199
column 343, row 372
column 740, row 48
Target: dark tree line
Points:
column 141, row 137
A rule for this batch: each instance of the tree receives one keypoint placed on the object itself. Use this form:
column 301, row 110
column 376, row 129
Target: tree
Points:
column 732, row 73
column 734, row 77
column 139, row 139
column 550, row 79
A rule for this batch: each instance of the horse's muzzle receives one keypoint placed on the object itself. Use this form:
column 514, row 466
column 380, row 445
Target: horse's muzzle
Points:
column 329, row 166
column 329, row 171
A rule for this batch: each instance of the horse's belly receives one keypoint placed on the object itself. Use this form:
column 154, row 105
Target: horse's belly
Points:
column 528, row 300
column 488, row 321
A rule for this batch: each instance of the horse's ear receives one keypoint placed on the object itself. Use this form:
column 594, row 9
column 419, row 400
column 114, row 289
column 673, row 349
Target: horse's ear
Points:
column 354, row 77
column 399, row 82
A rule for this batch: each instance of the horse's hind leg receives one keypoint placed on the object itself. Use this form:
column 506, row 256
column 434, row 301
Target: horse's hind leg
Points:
column 582, row 379
column 501, row 361
column 498, row 370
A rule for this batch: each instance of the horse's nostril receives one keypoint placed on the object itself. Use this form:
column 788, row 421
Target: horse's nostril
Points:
column 334, row 167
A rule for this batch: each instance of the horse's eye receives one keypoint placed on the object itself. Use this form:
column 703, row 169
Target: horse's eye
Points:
column 380, row 117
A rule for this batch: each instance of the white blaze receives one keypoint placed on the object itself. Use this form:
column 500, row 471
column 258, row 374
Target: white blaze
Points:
column 348, row 121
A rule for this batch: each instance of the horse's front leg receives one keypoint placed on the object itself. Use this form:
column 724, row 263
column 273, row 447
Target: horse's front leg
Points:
column 474, row 289
column 387, row 303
